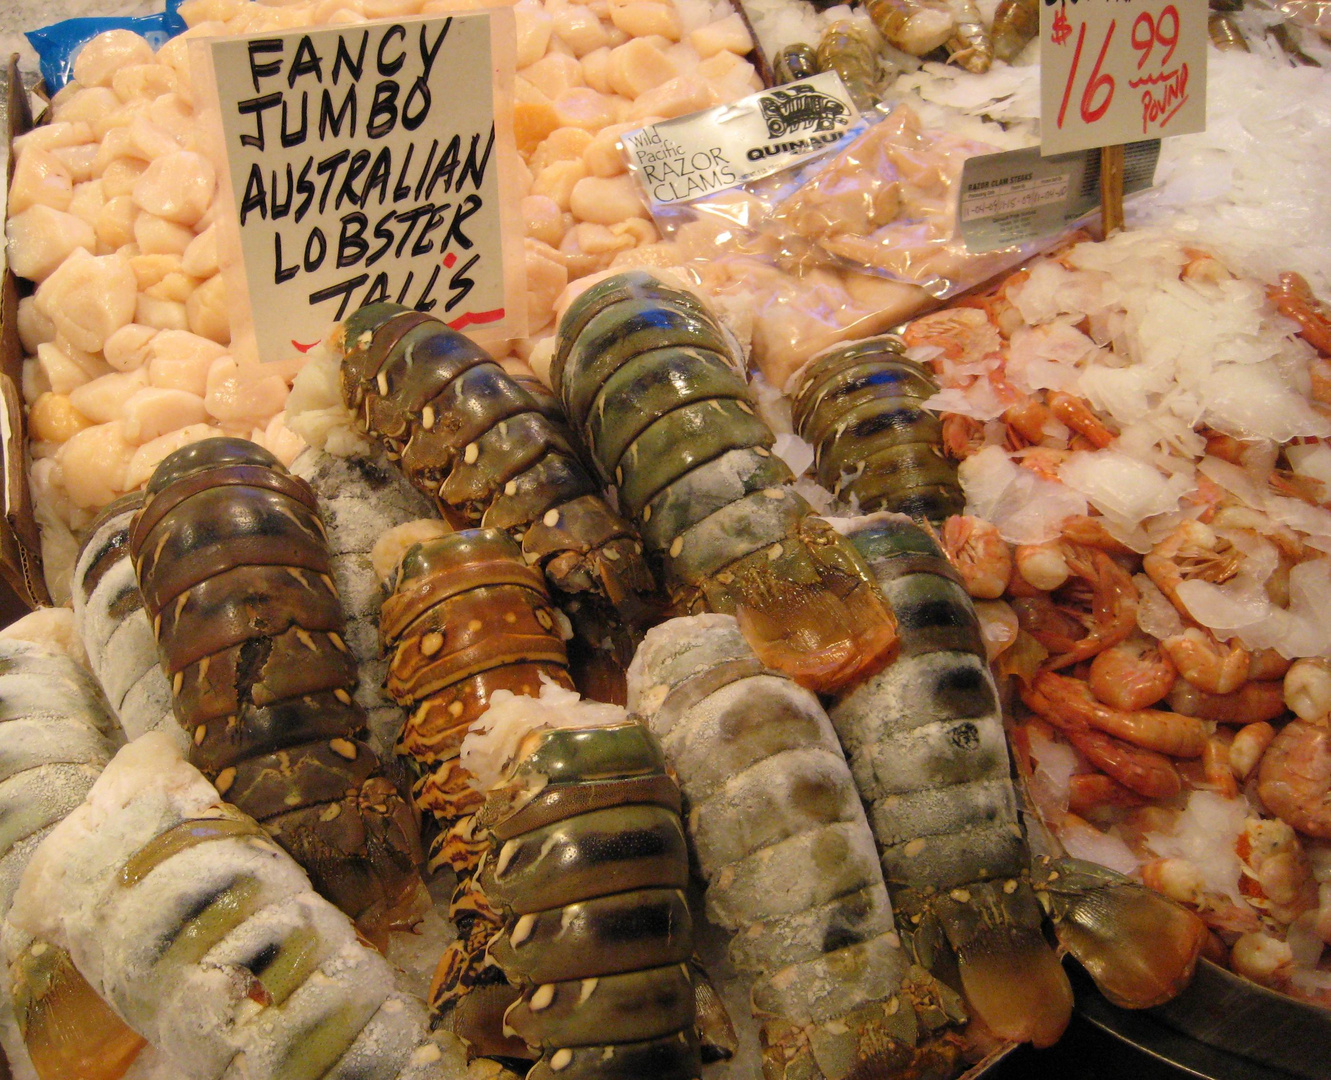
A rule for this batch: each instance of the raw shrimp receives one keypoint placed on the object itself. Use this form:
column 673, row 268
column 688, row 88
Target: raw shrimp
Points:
column 980, row 555
column 1131, row 674
column 1294, row 777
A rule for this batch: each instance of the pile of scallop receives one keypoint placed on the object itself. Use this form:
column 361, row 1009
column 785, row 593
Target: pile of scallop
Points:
column 1146, row 460
column 113, row 208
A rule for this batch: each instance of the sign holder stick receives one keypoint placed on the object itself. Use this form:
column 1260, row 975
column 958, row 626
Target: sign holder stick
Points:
column 1111, row 188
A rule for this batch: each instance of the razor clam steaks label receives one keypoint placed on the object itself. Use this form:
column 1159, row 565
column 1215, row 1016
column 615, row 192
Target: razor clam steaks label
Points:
column 692, row 156
column 1019, row 196
column 363, row 168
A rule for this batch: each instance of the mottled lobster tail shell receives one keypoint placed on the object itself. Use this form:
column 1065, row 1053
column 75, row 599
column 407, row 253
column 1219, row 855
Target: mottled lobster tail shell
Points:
column 588, row 864
column 58, row 733
column 116, row 632
column 233, row 564
column 488, row 453
column 781, row 839
column 926, row 742
column 653, row 386
column 467, row 617
column 861, row 407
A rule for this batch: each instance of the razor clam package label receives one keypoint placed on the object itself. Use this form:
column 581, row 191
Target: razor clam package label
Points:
column 1018, row 196
column 363, row 165
column 683, row 159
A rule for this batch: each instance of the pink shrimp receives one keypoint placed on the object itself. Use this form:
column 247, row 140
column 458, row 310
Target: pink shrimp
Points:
column 1074, row 412
column 1132, row 674
column 1294, row 777
column 1252, row 703
column 1205, row 663
column 1294, row 299
column 980, row 555
column 1112, row 602
column 1071, row 704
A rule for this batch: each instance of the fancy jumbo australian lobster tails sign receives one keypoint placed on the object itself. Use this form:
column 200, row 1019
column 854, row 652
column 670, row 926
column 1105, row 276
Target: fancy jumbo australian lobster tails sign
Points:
column 368, row 163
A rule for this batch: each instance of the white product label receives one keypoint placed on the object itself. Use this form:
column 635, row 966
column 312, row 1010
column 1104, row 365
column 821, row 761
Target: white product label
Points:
column 691, row 156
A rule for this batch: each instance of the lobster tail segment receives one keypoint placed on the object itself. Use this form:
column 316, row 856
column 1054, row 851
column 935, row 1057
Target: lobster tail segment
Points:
column 1010, row 976
column 1140, row 947
column 587, row 865
column 472, row 439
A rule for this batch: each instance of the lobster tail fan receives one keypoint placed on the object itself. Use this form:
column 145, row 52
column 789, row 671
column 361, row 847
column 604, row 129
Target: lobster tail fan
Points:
column 1138, row 946
column 1011, row 977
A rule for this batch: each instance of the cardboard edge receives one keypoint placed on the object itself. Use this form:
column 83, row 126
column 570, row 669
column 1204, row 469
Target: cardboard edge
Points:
column 20, row 542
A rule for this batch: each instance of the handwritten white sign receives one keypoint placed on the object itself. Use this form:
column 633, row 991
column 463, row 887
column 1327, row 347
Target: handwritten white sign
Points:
column 1120, row 71
column 364, row 167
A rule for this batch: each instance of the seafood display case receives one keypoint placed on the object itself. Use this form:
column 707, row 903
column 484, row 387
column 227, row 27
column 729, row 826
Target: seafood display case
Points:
column 817, row 650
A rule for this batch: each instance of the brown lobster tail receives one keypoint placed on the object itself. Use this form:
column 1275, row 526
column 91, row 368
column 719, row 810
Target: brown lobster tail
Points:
column 467, row 617
column 488, row 453
column 233, row 564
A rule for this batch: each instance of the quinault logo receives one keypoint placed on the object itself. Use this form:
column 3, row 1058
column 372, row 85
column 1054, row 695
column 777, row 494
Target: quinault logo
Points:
column 800, row 108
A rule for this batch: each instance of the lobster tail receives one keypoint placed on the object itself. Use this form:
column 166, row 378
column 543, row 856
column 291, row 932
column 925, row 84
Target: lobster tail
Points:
column 587, row 863
column 925, row 740
column 653, row 386
column 780, row 836
column 488, row 453
column 233, row 564
column 861, row 406
column 1139, row 946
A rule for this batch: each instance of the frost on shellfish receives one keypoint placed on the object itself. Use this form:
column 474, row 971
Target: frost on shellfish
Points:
column 58, row 732
column 925, row 741
column 233, row 563
column 653, row 386
column 206, row 937
column 780, row 836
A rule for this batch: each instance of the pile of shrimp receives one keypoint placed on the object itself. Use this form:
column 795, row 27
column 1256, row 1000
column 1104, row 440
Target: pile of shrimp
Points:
column 1172, row 673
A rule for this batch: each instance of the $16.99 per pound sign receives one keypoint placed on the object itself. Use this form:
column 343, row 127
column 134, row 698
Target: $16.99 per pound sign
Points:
column 1117, row 71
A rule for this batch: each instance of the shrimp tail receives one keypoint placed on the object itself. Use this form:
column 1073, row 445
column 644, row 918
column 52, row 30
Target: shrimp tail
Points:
column 1139, row 946
column 1011, row 978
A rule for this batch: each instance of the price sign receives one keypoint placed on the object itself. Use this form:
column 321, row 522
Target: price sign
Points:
column 1119, row 71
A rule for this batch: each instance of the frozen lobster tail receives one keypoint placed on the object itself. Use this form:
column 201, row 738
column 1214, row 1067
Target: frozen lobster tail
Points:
column 926, row 743
column 781, row 837
column 233, row 563
column 586, row 861
column 466, row 618
column 860, row 406
column 59, row 732
column 485, row 450
column 207, row 938
column 359, row 500
column 652, row 385
column 115, row 630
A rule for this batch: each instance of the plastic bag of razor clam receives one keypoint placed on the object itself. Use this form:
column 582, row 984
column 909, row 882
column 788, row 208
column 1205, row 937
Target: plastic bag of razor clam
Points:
column 795, row 176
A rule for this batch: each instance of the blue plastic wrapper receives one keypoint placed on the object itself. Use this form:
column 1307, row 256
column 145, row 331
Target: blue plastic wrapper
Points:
column 59, row 43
